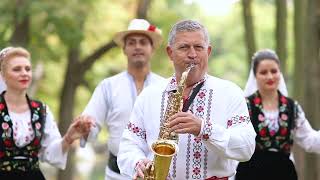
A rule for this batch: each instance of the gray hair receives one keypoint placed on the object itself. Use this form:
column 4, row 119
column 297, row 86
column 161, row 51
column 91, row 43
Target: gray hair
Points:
column 187, row 26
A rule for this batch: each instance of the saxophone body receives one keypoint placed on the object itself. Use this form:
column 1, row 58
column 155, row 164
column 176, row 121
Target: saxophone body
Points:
column 167, row 144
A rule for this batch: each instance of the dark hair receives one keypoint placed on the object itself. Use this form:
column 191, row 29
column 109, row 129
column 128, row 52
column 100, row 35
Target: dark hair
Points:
column 263, row 55
column 126, row 37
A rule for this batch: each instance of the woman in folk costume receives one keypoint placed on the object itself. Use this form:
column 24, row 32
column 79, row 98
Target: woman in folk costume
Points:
column 278, row 121
column 27, row 128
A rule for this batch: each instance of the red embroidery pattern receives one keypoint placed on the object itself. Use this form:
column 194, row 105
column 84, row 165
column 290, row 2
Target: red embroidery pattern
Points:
column 207, row 130
column 136, row 130
column 237, row 120
column 188, row 157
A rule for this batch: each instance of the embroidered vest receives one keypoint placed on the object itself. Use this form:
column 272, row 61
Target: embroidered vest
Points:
column 281, row 140
column 13, row 158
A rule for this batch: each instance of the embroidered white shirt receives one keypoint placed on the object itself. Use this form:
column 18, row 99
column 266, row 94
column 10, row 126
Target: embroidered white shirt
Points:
column 227, row 135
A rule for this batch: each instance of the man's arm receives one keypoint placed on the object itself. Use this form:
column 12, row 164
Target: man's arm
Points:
column 133, row 145
column 236, row 139
column 97, row 110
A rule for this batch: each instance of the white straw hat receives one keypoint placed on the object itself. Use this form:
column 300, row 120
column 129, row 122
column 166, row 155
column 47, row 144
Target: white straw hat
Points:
column 140, row 26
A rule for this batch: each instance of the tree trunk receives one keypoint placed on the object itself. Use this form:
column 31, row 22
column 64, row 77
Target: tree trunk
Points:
column 313, row 80
column 143, row 5
column 281, row 34
column 21, row 34
column 248, row 29
column 299, row 75
column 67, row 106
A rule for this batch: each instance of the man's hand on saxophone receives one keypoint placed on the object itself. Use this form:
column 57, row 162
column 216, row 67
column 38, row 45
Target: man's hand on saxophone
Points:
column 141, row 166
column 185, row 122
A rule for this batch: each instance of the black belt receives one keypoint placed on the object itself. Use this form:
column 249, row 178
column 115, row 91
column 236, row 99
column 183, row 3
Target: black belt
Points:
column 112, row 163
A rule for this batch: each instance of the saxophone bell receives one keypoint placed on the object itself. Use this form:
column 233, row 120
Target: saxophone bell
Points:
column 163, row 151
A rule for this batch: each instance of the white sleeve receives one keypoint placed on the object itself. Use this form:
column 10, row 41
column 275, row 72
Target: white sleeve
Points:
column 133, row 146
column 97, row 108
column 304, row 135
column 51, row 143
column 235, row 140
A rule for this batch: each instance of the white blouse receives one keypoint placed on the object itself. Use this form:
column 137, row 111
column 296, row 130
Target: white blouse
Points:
column 272, row 119
column 51, row 142
column 304, row 135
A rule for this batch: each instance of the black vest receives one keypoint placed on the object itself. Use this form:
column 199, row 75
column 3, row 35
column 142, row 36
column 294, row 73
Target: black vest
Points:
column 281, row 140
column 13, row 158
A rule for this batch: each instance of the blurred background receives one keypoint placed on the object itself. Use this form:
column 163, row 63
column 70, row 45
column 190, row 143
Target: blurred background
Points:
column 72, row 51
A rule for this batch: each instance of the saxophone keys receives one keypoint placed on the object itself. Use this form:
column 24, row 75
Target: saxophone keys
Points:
column 166, row 134
column 173, row 135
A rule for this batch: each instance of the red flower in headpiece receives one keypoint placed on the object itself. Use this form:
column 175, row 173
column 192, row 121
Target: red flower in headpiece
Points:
column 152, row 28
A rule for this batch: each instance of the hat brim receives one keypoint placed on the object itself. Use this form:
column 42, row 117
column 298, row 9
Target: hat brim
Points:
column 155, row 37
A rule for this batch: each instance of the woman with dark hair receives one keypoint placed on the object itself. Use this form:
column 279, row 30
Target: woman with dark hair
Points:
column 28, row 131
column 278, row 121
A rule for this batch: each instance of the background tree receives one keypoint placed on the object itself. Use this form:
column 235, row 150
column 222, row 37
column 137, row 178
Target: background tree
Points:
column 300, row 8
column 312, row 62
column 248, row 29
column 281, row 34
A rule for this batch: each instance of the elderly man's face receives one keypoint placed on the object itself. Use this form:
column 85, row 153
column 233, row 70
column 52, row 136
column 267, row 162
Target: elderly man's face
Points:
column 190, row 47
column 138, row 48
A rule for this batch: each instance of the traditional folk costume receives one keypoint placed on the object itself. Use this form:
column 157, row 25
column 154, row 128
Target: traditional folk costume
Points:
column 226, row 136
column 276, row 132
column 26, row 138
column 111, row 105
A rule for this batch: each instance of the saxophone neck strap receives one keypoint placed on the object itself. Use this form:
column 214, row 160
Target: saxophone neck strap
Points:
column 188, row 102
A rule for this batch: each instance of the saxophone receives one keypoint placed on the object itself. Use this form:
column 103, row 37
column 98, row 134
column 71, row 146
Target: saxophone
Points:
column 167, row 144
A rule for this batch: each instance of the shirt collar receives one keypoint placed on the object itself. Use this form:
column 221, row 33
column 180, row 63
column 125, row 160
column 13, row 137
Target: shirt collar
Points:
column 173, row 83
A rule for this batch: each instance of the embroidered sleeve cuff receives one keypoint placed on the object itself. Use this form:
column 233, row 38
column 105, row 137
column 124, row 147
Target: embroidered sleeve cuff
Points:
column 206, row 130
column 213, row 131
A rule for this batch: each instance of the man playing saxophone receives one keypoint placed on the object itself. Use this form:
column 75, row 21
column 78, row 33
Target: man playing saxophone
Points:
column 213, row 123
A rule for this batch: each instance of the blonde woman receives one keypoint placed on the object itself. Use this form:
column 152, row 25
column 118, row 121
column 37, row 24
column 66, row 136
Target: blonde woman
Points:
column 28, row 130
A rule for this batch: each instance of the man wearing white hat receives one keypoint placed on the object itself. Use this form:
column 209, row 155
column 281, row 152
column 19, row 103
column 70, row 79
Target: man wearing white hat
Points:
column 113, row 99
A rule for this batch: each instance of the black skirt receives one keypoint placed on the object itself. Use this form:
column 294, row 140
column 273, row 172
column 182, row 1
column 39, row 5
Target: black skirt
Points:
column 267, row 165
column 30, row 175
